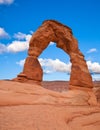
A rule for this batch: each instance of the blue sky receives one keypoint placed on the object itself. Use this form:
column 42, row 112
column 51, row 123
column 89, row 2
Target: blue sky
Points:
column 20, row 18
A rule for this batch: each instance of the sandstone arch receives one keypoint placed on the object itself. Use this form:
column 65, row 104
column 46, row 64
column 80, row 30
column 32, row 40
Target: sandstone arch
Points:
column 54, row 31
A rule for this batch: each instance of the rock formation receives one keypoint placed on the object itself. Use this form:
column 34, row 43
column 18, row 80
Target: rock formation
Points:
column 62, row 35
column 26, row 106
column 29, row 106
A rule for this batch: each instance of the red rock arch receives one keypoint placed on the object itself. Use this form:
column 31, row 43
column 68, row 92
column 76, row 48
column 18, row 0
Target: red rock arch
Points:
column 54, row 31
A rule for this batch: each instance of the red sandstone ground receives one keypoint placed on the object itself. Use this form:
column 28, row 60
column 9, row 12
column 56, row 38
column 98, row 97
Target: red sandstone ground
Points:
column 30, row 107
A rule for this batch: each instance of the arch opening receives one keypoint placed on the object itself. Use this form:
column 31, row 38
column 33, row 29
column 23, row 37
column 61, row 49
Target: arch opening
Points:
column 63, row 37
column 55, row 64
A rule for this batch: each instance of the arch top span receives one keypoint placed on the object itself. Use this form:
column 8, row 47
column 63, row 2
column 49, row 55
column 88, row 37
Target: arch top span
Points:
column 58, row 23
column 53, row 31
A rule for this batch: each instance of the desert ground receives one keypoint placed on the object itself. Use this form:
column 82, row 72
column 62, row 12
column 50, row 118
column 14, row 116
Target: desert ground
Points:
column 50, row 107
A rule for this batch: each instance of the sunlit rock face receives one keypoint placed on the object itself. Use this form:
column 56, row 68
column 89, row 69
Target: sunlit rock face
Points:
column 53, row 31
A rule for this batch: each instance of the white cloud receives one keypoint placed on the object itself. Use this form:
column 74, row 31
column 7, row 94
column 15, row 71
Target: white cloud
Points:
column 52, row 43
column 21, row 62
column 31, row 32
column 20, row 44
column 20, row 36
column 96, row 77
column 50, row 65
column 94, row 67
column 92, row 50
column 17, row 45
column 3, row 33
column 2, row 48
column 6, row 2
column 28, row 37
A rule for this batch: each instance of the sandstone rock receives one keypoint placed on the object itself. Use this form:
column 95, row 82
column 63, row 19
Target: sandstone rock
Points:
column 32, row 71
column 54, row 31
column 31, row 107
column 97, row 93
column 14, row 93
column 97, row 90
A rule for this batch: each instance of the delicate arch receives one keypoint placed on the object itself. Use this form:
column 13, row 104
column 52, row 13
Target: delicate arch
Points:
column 54, row 31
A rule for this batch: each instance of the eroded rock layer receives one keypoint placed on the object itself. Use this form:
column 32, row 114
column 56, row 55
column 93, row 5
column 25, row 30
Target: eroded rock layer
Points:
column 62, row 35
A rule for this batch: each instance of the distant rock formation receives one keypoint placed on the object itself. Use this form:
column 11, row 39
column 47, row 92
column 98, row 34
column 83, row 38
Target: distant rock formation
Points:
column 62, row 35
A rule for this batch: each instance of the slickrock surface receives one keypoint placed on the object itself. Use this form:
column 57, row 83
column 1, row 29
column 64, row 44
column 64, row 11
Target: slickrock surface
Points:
column 15, row 93
column 49, row 117
column 31, row 107
column 97, row 90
